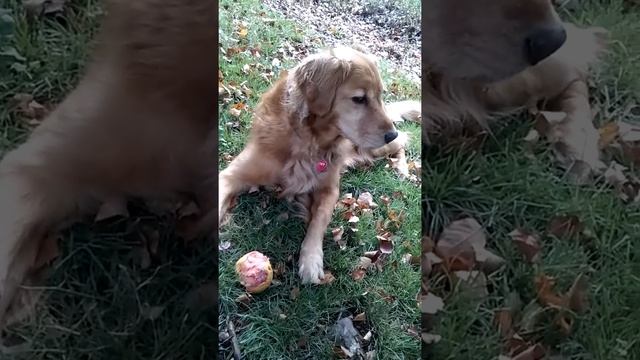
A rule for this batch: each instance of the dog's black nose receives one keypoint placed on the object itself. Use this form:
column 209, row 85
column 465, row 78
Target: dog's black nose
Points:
column 390, row 136
column 544, row 42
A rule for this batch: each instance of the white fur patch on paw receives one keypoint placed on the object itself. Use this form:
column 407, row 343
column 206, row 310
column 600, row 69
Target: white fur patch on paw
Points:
column 311, row 267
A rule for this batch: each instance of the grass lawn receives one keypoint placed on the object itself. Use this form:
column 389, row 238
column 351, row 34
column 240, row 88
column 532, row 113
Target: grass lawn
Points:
column 103, row 300
column 282, row 323
column 503, row 189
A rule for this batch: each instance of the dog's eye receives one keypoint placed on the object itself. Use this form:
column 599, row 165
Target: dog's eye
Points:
column 359, row 99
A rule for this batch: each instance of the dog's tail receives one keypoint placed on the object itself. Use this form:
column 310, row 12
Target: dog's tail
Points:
column 408, row 110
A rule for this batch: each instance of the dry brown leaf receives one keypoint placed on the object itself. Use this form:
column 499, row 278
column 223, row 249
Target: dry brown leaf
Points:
column 295, row 292
column 360, row 317
column 578, row 295
column 527, row 243
column 243, row 32
column 427, row 244
column 462, row 245
column 328, row 278
column 385, row 243
column 429, row 339
column 608, row 134
column 43, row 7
column 358, row 274
column 574, row 139
column 629, row 133
column 503, row 318
column 431, row 304
column 546, row 294
column 614, row 175
column 337, row 237
column 365, row 201
column 535, row 352
column 565, row 226
column 455, row 244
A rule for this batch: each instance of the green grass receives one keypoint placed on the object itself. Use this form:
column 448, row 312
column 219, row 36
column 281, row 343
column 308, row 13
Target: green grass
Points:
column 263, row 333
column 98, row 292
column 504, row 189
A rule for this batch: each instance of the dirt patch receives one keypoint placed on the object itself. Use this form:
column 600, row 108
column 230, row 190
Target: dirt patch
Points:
column 384, row 28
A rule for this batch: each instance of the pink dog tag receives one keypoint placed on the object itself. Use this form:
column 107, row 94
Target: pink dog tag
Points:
column 321, row 166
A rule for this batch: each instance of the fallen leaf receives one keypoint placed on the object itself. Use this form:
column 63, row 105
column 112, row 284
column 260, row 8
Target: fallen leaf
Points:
column 429, row 339
column 427, row 244
column 608, row 134
column 528, row 244
column 243, row 32
column 295, row 292
column 328, row 278
column 43, row 7
column 244, row 299
column 224, row 246
column 614, row 175
column 546, row 293
column 535, row 352
column 629, row 133
column 358, row 274
column 578, row 297
column 431, row 304
column 455, row 247
column 462, row 244
column 565, row 226
column 503, row 318
column 385, row 244
column 235, row 112
column 337, row 237
column 365, row 201
column 361, row 317
column 32, row 112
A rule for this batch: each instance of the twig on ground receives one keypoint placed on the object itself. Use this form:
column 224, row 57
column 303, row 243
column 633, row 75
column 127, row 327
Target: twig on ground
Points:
column 237, row 355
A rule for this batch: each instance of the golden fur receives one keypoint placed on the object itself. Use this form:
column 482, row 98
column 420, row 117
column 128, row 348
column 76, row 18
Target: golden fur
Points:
column 463, row 58
column 140, row 123
column 311, row 114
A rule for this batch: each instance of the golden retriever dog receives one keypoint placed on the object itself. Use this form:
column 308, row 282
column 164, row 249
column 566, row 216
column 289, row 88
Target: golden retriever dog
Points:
column 140, row 123
column 468, row 44
column 319, row 117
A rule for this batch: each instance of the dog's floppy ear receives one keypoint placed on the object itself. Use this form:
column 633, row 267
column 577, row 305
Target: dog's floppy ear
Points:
column 318, row 80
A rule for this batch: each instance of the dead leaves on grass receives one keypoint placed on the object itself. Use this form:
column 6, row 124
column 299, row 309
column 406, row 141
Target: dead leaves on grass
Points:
column 458, row 254
column 30, row 111
column 43, row 7
column 351, row 210
column 462, row 247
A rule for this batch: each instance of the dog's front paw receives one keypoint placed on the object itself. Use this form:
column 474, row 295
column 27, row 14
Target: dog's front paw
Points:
column 311, row 266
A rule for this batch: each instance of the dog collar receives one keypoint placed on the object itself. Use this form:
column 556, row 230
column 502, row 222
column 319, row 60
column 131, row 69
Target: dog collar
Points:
column 321, row 166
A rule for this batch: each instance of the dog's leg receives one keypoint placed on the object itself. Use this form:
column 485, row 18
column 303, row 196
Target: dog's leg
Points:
column 249, row 168
column 396, row 149
column 33, row 201
column 311, row 265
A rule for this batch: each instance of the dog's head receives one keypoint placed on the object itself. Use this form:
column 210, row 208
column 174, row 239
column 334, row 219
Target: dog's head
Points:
column 489, row 40
column 342, row 87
